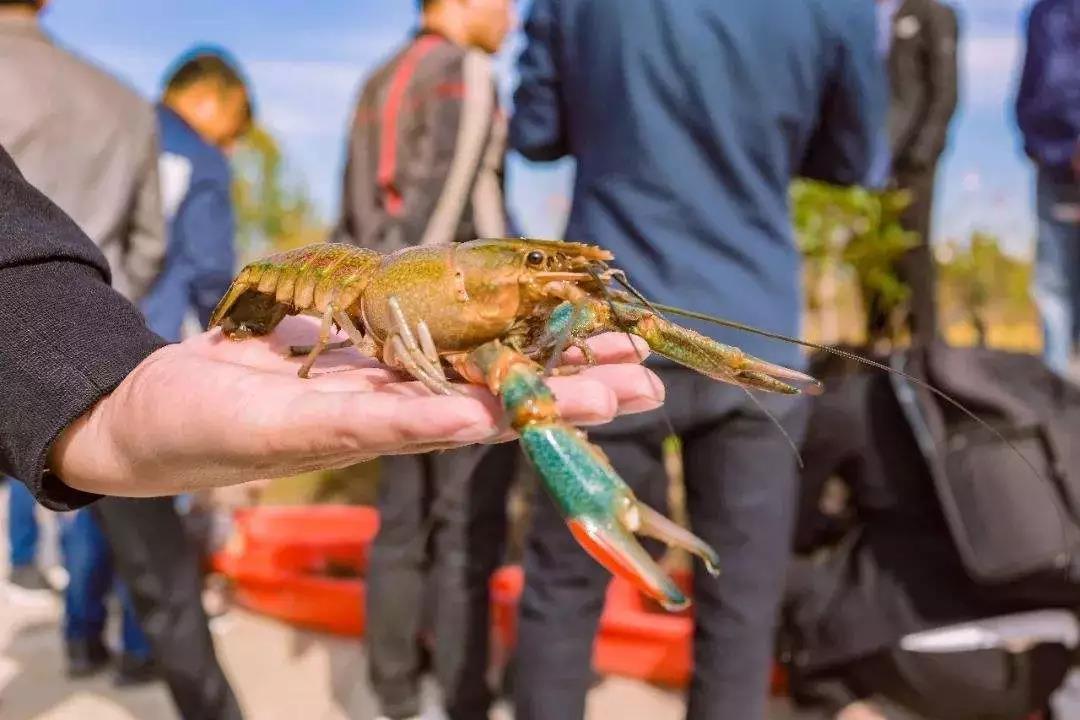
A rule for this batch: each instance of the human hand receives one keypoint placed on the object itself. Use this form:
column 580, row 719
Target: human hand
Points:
column 213, row 412
column 860, row 711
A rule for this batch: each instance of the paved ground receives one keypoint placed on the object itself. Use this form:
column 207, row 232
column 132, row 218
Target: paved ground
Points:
column 278, row 672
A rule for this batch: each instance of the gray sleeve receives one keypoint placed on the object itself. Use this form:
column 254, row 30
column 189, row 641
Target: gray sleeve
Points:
column 146, row 242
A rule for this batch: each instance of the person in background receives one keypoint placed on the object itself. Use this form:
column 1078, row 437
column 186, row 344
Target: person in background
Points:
column 923, row 70
column 424, row 166
column 91, row 577
column 687, row 121
column 1048, row 113
column 104, row 174
column 205, row 108
column 882, row 168
column 22, row 523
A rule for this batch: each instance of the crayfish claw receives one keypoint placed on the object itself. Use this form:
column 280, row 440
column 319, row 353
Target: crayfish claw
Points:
column 655, row 525
column 612, row 545
column 768, row 376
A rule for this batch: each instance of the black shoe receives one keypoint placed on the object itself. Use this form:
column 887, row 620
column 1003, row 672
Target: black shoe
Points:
column 30, row 577
column 86, row 657
column 135, row 671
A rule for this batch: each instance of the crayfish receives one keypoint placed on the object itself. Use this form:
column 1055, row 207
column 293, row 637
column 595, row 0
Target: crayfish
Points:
column 496, row 313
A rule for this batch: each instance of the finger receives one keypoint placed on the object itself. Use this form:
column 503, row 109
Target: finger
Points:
column 637, row 389
column 382, row 422
column 613, row 348
column 583, row 400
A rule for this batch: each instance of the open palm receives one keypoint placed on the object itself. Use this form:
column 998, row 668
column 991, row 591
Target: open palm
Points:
column 212, row 411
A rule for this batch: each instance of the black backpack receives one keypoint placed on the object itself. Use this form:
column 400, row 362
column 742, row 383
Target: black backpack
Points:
column 1015, row 523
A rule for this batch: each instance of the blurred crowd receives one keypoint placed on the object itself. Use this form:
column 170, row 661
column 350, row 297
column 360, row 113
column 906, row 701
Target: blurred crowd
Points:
column 687, row 121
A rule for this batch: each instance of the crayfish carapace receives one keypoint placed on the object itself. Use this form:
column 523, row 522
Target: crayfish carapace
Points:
column 494, row 312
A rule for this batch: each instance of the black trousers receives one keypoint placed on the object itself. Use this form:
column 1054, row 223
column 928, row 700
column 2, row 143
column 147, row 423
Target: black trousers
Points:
column 740, row 477
column 161, row 568
column 442, row 534
column 976, row 685
column 916, row 267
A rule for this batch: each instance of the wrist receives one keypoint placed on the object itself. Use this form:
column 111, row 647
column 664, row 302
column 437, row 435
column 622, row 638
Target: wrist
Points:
column 83, row 457
column 92, row 454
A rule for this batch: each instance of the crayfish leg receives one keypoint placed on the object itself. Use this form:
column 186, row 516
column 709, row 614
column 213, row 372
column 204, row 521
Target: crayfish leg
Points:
column 403, row 348
column 298, row 350
column 320, row 345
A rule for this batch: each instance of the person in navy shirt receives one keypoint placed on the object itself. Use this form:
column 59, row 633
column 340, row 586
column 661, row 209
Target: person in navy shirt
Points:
column 688, row 121
column 1048, row 113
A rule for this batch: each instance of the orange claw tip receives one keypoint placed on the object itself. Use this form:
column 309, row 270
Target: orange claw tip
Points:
column 623, row 556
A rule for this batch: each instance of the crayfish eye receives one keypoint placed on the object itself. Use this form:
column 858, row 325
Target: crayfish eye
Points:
column 535, row 258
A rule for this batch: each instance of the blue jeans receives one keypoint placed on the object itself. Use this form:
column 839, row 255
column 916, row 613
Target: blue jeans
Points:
column 1057, row 273
column 22, row 525
column 90, row 568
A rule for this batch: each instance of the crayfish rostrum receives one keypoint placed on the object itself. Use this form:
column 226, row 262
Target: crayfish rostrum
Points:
column 495, row 312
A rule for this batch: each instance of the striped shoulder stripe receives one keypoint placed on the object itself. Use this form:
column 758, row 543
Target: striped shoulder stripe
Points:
column 391, row 112
column 477, row 111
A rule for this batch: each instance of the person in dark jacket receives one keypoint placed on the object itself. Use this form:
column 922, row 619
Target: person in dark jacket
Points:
column 95, row 403
column 425, row 166
column 687, row 121
column 424, row 162
column 923, row 74
column 1048, row 112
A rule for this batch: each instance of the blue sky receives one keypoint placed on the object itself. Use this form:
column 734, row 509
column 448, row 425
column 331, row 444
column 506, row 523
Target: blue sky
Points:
column 306, row 60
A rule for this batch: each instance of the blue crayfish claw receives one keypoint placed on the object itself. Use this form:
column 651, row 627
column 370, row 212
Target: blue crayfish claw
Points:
column 600, row 509
column 610, row 541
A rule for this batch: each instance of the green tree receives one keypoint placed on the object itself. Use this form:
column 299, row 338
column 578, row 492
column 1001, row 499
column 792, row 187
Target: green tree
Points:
column 850, row 234
column 985, row 284
column 272, row 212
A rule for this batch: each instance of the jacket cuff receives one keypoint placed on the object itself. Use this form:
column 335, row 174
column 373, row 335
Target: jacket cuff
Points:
column 70, row 340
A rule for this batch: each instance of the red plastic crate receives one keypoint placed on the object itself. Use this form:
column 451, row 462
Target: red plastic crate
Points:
column 282, row 559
